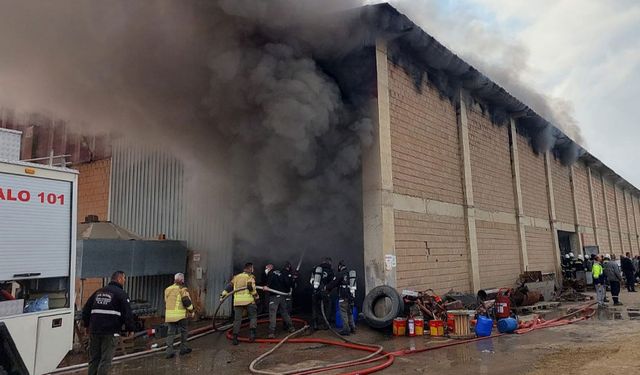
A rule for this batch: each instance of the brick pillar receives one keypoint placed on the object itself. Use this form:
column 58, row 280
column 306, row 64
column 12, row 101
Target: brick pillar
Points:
column 469, row 208
column 517, row 190
column 552, row 217
column 617, row 205
column 626, row 212
column 635, row 219
column 377, row 186
column 572, row 181
column 607, row 216
column 593, row 209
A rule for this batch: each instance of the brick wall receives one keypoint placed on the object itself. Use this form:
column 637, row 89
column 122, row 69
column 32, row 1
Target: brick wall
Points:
column 490, row 163
column 540, row 249
column 598, row 200
column 604, row 241
column 562, row 192
column 583, row 199
column 498, row 253
column 93, row 189
column 431, row 252
column 424, row 141
column 636, row 210
column 611, row 205
column 622, row 212
column 532, row 181
column 588, row 239
column 615, row 243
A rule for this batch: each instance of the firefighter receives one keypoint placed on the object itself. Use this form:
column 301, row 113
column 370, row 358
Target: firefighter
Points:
column 345, row 281
column 278, row 281
column 321, row 276
column 292, row 277
column 104, row 314
column 178, row 309
column 244, row 299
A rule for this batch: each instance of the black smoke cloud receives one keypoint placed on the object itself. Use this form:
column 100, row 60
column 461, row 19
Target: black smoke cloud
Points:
column 245, row 92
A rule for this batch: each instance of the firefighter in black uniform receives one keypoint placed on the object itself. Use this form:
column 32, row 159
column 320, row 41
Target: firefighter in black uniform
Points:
column 104, row 314
column 278, row 281
column 346, row 284
column 292, row 278
column 321, row 276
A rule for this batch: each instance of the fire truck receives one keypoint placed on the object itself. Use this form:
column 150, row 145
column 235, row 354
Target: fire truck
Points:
column 37, row 266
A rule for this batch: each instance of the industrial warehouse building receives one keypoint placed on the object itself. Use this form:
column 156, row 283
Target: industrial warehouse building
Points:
column 456, row 191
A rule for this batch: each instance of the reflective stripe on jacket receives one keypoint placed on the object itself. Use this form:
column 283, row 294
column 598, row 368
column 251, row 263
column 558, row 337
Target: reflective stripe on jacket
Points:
column 174, row 308
column 246, row 296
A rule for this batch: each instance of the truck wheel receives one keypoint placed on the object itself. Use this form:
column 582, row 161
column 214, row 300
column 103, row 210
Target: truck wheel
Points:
column 381, row 306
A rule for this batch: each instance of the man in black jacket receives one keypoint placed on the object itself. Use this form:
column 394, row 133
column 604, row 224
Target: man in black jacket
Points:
column 346, row 298
column 629, row 272
column 278, row 281
column 104, row 314
column 321, row 276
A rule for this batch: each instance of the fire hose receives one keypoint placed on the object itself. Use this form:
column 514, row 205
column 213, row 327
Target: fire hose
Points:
column 376, row 355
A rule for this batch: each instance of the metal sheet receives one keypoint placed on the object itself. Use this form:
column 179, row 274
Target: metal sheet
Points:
column 150, row 195
column 100, row 258
column 10, row 144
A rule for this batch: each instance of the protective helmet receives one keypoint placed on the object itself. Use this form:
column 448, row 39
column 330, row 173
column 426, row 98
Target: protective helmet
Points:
column 571, row 255
column 607, row 256
column 566, row 256
column 580, row 256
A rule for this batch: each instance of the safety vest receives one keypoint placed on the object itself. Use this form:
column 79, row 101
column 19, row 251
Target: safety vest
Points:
column 597, row 270
column 246, row 296
column 174, row 309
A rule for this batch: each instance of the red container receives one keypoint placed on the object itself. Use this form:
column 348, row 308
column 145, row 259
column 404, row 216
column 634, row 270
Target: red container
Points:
column 503, row 303
column 451, row 323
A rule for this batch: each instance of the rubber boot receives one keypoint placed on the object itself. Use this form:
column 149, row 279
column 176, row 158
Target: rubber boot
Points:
column 252, row 335
column 292, row 329
column 616, row 302
column 235, row 339
column 272, row 335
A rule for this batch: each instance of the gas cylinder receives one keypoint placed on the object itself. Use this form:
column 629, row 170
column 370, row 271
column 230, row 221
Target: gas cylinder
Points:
column 503, row 303
column 411, row 326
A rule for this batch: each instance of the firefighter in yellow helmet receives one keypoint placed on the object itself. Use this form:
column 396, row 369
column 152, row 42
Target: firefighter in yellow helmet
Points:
column 244, row 298
column 178, row 307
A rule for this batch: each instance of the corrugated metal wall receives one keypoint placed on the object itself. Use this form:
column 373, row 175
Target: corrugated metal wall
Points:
column 150, row 195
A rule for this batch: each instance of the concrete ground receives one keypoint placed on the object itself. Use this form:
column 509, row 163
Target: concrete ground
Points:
column 605, row 344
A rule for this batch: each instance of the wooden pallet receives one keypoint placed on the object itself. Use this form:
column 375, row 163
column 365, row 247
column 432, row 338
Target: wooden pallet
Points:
column 537, row 307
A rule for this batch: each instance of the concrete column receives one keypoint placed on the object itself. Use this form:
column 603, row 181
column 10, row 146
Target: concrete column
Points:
column 617, row 205
column 553, row 221
column 626, row 213
column 377, row 187
column 593, row 209
column 635, row 221
column 572, row 180
column 606, row 211
column 517, row 190
column 469, row 208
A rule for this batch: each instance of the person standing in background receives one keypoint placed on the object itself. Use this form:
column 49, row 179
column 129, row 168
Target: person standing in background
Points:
column 178, row 308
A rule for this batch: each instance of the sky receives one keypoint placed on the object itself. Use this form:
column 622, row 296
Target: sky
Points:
column 583, row 54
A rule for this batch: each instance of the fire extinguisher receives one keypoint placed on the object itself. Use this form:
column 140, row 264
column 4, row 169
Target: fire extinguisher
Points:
column 411, row 326
column 503, row 303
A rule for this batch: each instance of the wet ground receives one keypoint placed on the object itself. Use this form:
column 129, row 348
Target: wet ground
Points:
column 599, row 344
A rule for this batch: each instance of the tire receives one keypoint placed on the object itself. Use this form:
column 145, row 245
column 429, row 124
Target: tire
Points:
column 377, row 293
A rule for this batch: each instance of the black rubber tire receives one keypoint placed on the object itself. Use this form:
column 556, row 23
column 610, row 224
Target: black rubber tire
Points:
column 383, row 291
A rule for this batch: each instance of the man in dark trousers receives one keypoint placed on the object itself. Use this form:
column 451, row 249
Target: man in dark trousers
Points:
column 614, row 278
column 346, row 298
column 278, row 282
column 104, row 314
column 629, row 272
column 320, row 277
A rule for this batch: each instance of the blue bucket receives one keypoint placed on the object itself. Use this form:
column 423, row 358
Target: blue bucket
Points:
column 507, row 325
column 484, row 326
column 339, row 317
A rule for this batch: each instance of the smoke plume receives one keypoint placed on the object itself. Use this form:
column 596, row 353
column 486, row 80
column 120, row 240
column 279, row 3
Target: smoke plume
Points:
column 242, row 91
